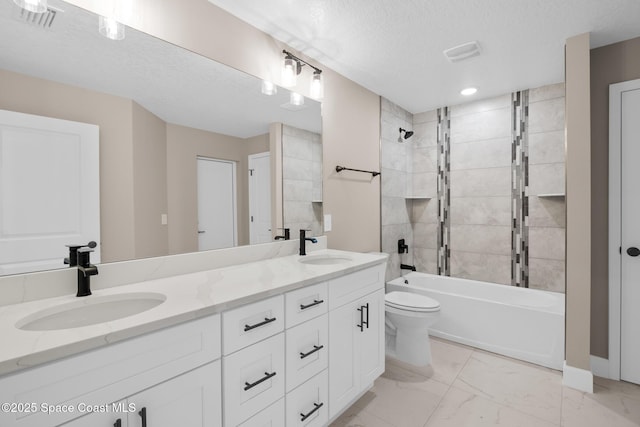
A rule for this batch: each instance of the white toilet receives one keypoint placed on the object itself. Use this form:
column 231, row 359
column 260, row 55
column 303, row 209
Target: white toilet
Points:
column 408, row 318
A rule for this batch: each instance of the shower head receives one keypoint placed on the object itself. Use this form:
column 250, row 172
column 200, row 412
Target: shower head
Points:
column 407, row 134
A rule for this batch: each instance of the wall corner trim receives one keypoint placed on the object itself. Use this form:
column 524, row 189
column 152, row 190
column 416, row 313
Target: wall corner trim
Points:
column 579, row 379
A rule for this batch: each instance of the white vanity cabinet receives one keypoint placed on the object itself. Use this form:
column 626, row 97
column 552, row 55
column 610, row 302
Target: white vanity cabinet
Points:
column 142, row 370
column 356, row 336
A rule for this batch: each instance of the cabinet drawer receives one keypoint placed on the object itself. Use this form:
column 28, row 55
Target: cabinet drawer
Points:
column 307, row 350
column 273, row 416
column 355, row 285
column 105, row 375
column 307, row 405
column 251, row 323
column 306, row 303
column 253, row 379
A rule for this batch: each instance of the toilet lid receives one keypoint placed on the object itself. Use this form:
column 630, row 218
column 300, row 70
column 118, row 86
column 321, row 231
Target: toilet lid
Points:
column 411, row 301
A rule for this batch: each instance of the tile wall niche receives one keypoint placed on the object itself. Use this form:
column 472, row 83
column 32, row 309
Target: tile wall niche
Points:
column 302, row 180
column 481, row 196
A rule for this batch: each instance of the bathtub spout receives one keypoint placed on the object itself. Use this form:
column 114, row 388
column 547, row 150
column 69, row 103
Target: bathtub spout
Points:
column 407, row 267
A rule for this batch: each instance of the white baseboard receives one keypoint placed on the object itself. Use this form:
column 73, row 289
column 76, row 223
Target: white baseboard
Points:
column 600, row 367
column 577, row 378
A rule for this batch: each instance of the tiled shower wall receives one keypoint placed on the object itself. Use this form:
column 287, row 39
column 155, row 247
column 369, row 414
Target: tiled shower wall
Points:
column 481, row 198
column 302, row 180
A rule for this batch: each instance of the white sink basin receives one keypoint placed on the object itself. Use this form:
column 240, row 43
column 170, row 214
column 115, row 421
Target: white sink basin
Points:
column 324, row 259
column 90, row 310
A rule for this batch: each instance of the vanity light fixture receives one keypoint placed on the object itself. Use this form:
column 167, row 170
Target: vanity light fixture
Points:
column 35, row 6
column 292, row 66
column 296, row 99
column 111, row 26
column 269, row 88
column 468, row 91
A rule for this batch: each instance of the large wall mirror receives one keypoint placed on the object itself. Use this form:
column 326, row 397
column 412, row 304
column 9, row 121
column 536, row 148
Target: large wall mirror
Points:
column 186, row 144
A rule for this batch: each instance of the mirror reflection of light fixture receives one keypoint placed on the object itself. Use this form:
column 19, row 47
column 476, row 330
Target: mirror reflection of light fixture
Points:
column 110, row 28
column 296, row 99
column 292, row 66
column 269, row 88
column 35, row 6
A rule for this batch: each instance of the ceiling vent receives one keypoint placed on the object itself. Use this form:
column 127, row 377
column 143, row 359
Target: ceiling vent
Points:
column 42, row 20
column 462, row 52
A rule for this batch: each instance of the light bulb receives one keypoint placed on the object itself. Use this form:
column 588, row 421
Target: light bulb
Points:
column 110, row 28
column 289, row 72
column 468, row 91
column 269, row 88
column 296, row 99
column 35, row 6
column 317, row 87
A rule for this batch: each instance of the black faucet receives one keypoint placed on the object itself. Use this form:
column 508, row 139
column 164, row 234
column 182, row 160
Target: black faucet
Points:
column 85, row 271
column 303, row 241
column 402, row 247
column 285, row 236
column 407, row 267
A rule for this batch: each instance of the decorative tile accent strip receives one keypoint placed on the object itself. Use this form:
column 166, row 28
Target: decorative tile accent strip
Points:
column 444, row 191
column 520, row 188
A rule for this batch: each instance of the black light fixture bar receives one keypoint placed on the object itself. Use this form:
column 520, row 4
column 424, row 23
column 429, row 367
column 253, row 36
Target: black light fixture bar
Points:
column 292, row 56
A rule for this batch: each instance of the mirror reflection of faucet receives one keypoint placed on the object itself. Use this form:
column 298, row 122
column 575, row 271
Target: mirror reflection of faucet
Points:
column 286, row 234
column 303, row 241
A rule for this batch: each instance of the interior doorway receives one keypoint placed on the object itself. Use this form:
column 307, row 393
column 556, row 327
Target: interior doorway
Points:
column 259, row 198
column 217, row 206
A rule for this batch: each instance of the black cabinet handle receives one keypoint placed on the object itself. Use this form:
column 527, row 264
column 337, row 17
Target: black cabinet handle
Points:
column 257, row 325
column 366, row 322
column 143, row 415
column 267, row 375
column 633, row 251
column 314, row 303
column 361, row 325
column 315, row 348
column 118, row 423
column 316, row 407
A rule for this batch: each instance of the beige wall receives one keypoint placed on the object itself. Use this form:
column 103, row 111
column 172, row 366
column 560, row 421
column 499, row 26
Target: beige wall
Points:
column 578, row 196
column 114, row 117
column 184, row 145
column 149, row 183
column 615, row 63
column 350, row 113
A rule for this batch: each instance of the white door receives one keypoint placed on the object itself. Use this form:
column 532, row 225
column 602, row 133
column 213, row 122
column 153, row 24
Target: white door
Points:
column 372, row 337
column 260, row 198
column 49, row 190
column 216, row 204
column 630, row 237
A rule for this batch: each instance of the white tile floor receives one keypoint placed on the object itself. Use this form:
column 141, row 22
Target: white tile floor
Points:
column 467, row 387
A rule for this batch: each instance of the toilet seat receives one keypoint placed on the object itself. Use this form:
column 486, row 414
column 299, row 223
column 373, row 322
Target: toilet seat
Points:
column 410, row 301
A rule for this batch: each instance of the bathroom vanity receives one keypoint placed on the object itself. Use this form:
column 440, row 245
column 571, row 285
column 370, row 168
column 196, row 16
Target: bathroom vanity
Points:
column 288, row 340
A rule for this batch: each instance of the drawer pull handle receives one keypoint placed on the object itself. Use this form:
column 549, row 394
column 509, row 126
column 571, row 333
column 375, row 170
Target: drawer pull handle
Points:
column 257, row 325
column 362, row 322
column 118, row 423
column 315, row 348
column 313, row 304
column 316, row 407
column 143, row 415
column 267, row 375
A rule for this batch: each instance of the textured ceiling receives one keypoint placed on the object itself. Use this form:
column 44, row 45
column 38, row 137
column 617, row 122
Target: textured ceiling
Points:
column 177, row 85
column 394, row 47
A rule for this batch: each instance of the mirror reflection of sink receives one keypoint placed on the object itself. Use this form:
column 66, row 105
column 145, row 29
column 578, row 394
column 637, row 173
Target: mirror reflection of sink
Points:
column 90, row 310
column 324, row 259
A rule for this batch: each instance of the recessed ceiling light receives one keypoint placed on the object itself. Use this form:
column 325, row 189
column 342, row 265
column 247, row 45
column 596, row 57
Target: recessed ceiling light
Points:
column 468, row 91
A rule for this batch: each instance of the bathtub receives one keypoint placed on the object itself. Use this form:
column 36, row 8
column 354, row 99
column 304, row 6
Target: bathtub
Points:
column 522, row 323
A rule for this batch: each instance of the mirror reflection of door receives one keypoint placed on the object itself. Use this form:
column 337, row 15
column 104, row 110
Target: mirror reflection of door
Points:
column 217, row 227
column 260, row 198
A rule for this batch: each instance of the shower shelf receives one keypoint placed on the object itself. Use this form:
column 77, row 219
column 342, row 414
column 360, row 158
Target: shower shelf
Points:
column 418, row 197
column 551, row 195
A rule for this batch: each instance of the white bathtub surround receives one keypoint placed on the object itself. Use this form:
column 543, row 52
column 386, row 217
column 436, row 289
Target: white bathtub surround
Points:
column 188, row 296
column 522, row 323
column 577, row 378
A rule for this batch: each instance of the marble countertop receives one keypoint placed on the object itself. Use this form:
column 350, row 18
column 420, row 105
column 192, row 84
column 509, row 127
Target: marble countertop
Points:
column 188, row 297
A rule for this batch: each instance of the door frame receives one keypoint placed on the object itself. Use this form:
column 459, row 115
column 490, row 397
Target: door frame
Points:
column 235, row 195
column 615, row 222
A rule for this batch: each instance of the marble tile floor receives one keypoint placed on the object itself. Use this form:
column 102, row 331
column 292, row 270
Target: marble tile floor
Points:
column 466, row 387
